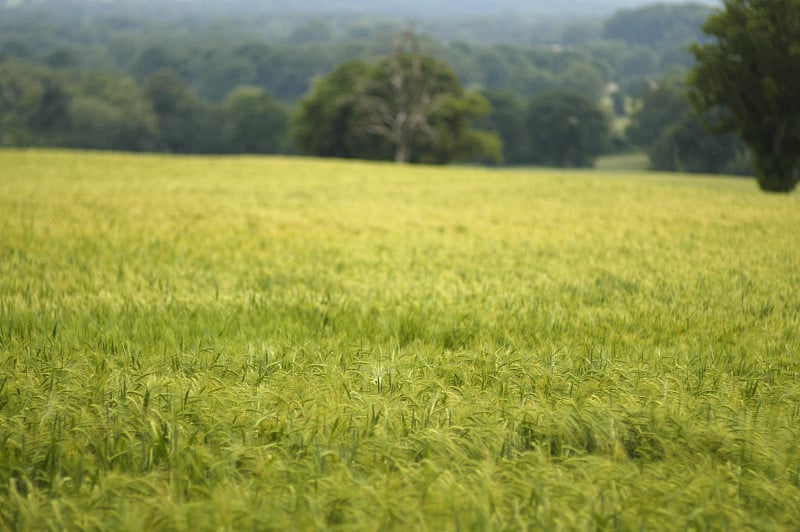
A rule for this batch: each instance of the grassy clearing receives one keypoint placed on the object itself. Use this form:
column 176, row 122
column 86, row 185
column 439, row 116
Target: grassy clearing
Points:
column 244, row 343
column 625, row 161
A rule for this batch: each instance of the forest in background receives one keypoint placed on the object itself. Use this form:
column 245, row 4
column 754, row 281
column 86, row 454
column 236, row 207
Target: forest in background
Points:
column 80, row 74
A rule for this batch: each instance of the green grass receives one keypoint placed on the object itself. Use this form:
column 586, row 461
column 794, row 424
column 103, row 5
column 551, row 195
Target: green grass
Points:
column 624, row 161
column 268, row 343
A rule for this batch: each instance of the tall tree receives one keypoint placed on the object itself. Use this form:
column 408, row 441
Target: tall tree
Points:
column 405, row 92
column 34, row 106
column 408, row 107
column 507, row 119
column 751, row 71
column 657, row 107
column 686, row 146
column 186, row 124
column 665, row 125
column 566, row 129
column 326, row 121
column 111, row 113
column 254, row 121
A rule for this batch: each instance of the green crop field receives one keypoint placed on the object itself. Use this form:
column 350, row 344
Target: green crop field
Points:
column 239, row 343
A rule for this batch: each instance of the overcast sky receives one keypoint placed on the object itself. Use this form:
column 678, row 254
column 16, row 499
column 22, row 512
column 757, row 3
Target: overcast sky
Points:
column 399, row 7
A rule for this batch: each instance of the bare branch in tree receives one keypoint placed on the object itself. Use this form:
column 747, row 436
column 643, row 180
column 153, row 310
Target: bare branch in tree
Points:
column 402, row 98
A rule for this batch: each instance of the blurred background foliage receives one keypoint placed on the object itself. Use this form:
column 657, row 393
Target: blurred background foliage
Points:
column 181, row 80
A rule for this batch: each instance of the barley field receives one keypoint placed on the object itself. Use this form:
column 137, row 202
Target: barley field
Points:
column 240, row 343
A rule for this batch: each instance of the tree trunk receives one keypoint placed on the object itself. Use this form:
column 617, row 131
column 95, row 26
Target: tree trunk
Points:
column 402, row 150
column 775, row 173
column 400, row 154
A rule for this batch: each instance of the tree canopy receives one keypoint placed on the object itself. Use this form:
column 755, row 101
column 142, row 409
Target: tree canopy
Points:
column 326, row 121
column 566, row 129
column 507, row 119
column 254, row 122
column 657, row 107
column 408, row 106
column 109, row 77
column 34, row 105
column 750, row 72
column 664, row 124
column 661, row 25
column 186, row 123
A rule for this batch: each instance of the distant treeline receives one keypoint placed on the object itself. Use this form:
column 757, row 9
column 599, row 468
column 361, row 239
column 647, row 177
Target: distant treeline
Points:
column 283, row 56
column 111, row 80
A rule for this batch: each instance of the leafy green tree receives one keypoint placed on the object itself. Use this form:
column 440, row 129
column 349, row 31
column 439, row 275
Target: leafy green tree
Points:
column 751, row 73
column 222, row 72
column 455, row 139
column 62, row 58
column 157, row 57
column 255, row 122
column 658, row 107
column 657, row 26
column 111, row 113
column 282, row 70
column 34, row 106
column 524, row 72
column 40, row 108
column 316, row 30
column 408, row 107
column 507, row 120
column 326, row 122
column 686, row 146
column 638, row 61
column 186, row 124
column 417, row 105
column 16, row 48
column 665, row 125
column 566, row 129
column 582, row 77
